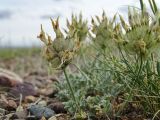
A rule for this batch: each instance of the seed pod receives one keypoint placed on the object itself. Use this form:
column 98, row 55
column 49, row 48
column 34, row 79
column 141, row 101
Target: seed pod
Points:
column 48, row 54
column 98, row 19
column 114, row 19
column 49, row 40
column 42, row 36
column 55, row 25
column 130, row 17
column 124, row 25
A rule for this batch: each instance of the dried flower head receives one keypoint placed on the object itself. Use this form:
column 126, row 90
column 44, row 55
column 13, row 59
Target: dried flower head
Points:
column 61, row 50
column 140, row 35
column 103, row 28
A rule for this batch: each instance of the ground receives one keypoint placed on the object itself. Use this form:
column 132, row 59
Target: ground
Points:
column 37, row 87
column 35, row 98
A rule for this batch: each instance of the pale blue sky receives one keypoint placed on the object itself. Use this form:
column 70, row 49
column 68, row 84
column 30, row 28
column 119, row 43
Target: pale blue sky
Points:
column 20, row 19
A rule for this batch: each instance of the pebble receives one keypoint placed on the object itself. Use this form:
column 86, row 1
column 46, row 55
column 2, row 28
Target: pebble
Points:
column 39, row 111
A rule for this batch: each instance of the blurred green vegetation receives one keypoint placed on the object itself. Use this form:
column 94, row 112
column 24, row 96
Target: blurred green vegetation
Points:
column 11, row 53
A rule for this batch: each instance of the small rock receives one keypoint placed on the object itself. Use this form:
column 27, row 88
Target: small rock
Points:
column 12, row 104
column 26, row 89
column 20, row 115
column 58, row 107
column 9, row 79
column 2, row 111
column 3, row 102
column 40, row 111
column 42, row 103
column 30, row 99
column 48, row 91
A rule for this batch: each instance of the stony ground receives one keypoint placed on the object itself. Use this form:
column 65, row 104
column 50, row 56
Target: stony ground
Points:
column 31, row 96
column 28, row 91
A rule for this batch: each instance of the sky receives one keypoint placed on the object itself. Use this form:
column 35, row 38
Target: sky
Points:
column 20, row 19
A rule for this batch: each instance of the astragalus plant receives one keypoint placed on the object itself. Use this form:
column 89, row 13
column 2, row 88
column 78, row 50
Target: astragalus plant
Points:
column 123, row 71
column 59, row 52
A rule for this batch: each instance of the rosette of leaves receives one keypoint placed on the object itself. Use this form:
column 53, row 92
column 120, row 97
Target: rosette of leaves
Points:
column 59, row 51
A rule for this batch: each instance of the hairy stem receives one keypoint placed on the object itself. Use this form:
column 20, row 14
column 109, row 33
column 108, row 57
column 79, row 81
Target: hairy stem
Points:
column 71, row 89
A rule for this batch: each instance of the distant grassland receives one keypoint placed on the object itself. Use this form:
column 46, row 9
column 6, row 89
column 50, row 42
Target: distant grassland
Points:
column 11, row 53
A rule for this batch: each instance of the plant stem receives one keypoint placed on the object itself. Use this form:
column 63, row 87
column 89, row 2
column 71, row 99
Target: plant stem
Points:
column 71, row 89
column 140, row 67
column 125, row 61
